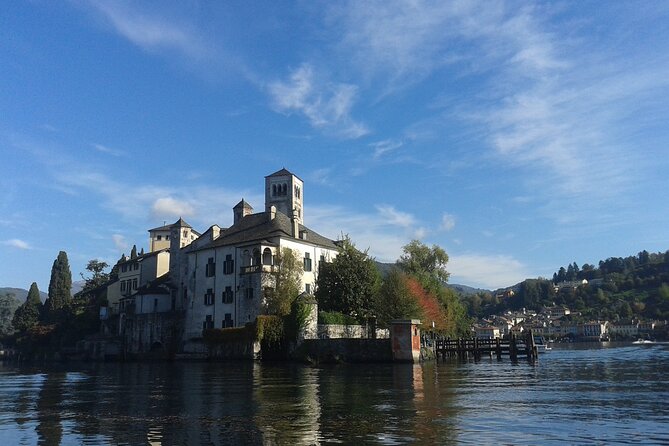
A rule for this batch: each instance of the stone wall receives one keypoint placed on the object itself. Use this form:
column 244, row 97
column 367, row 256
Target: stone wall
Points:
column 346, row 350
column 335, row 331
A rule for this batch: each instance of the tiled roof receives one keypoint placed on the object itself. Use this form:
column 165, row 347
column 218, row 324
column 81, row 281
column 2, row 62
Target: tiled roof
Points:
column 258, row 227
column 281, row 173
column 243, row 204
column 181, row 223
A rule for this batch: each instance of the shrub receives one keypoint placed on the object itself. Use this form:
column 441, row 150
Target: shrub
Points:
column 336, row 318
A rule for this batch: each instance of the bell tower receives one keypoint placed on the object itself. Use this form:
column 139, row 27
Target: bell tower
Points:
column 285, row 191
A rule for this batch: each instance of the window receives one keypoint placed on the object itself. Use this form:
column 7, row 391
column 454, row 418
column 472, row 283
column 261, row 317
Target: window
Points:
column 124, row 268
column 308, row 288
column 136, row 266
column 307, row 261
column 134, row 284
column 228, row 296
column 227, row 322
column 228, row 265
column 209, row 297
column 159, row 237
column 167, row 237
column 274, row 190
column 210, row 269
column 249, row 293
column 122, row 285
column 155, row 305
column 208, row 322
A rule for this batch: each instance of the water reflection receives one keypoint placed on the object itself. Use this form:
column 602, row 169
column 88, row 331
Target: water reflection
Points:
column 575, row 396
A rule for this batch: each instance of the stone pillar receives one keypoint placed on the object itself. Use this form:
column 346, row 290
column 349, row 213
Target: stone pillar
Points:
column 405, row 340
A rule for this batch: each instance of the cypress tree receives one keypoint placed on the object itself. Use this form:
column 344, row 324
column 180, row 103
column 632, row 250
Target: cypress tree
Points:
column 60, row 288
column 27, row 315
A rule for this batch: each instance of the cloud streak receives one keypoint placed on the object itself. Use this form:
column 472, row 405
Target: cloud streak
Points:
column 327, row 106
column 151, row 32
column 17, row 243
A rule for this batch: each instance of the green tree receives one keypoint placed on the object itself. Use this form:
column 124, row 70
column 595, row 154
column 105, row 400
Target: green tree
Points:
column 287, row 277
column 97, row 275
column 28, row 314
column 395, row 300
column 8, row 306
column 60, row 289
column 349, row 283
column 426, row 264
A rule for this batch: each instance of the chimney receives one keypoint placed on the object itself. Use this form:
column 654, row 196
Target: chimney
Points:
column 296, row 225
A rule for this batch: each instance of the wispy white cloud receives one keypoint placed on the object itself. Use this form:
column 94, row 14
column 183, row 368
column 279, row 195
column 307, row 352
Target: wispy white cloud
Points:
column 321, row 176
column 17, row 243
column 392, row 216
column 486, row 271
column 382, row 148
column 553, row 104
column 120, row 242
column 169, row 207
column 447, row 222
column 326, row 105
column 150, row 31
column 107, row 150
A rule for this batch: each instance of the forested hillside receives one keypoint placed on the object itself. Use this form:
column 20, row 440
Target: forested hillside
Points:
column 616, row 288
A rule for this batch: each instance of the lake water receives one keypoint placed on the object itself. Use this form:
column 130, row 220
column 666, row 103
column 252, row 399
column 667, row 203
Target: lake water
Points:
column 575, row 394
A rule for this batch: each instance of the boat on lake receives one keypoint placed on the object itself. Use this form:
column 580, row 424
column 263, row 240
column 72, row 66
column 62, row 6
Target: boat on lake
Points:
column 542, row 344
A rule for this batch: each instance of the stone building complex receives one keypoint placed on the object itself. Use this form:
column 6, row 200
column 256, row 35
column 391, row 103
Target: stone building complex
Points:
column 221, row 278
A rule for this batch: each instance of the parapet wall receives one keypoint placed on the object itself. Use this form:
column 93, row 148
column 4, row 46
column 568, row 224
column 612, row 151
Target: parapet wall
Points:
column 347, row 350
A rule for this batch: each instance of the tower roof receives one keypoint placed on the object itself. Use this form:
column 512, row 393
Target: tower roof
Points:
column 243, row 204
column 283, row 172
column 181, row 223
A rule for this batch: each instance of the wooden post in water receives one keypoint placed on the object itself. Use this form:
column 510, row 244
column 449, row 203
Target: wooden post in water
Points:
column 532, row 347
column 513, row 352
column 498, row 348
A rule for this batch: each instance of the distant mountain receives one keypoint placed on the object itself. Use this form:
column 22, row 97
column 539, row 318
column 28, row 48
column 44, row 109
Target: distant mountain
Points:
column 20, row 294
column 466, row 290
column 385, row 268
column 77, row 286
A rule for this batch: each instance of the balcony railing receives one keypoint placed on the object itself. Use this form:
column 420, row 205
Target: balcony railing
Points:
column 257, row 269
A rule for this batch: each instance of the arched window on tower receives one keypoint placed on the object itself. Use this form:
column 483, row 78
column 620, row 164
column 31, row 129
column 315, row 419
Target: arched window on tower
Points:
column 285, row 189
column 267, row 256
column 274, row 190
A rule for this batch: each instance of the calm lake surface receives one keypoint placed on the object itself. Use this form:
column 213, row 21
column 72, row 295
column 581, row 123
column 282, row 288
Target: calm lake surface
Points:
column 575, row 394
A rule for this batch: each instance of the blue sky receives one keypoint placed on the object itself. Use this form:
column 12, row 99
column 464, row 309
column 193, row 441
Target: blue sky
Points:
column 519, row 136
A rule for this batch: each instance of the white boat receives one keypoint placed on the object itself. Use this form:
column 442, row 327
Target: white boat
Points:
column 542, row 345
column 643, row 341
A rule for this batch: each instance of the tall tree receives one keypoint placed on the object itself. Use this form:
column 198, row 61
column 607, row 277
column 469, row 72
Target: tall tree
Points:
column 349, row 283
column 426, row 264
column 97, row 275
column 8, row 307
column 28, row 314
column 60, row 288
column 287, row 286
column 395, row 300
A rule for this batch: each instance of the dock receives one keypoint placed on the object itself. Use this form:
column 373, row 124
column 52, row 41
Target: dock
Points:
column 513, row 347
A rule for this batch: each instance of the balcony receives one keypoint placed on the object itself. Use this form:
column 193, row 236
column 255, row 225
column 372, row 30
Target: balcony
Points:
column 257, row 269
